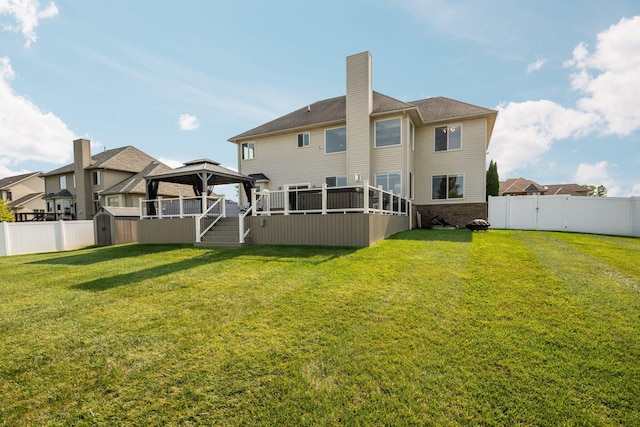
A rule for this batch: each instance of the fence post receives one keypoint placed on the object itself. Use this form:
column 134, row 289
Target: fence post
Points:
column 5, row 239
column 286, row 200
column 60, row 241
column 181, row 201
column 324, row 198
column 253, row 202
column 365, row 194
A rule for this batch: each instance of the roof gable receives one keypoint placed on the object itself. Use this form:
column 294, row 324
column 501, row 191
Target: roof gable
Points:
column 126, row 159
column 333, row 110
column 12, row 180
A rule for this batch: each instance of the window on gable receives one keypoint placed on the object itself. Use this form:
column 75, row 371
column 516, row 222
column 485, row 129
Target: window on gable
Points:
column 389, row 181
column 9, row 196
column 95, row 178
column 248, row 150
column 335, row 140
column 336, row 181
column 445, row 187
column 448, row 138
column 303, row 139
column 388, row 132
column 63, row 182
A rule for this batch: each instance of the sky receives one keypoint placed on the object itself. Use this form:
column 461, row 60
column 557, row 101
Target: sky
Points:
column 178, row 79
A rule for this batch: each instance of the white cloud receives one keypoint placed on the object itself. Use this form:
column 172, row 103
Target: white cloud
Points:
column 598, row 174
column 26, row 132
column 607, row 78
column 635, row 191
column 535, row 66
column 188, row 122
column 525, row 130
column 27, row 14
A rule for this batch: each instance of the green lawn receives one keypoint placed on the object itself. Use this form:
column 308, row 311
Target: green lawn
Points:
column 429, row 327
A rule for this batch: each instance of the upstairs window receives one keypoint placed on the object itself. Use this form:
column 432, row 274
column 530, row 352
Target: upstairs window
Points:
column 303, row 139
column 335, row 140
column 388, row 132
column 95, row 178
column 248, row 150
column 444, row 187
column 63, row 182
column 448, row 138
column 9, row 196
column 336, row 181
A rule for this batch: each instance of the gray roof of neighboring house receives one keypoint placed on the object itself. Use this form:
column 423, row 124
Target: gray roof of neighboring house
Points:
column 570, row 189
column 127, row 159
column 11, row 180
column 218, row 175
column 24, row 199
column 122, row 211
column 333, row 110
column 64, row 194
column 520, row 185
column 136, row 184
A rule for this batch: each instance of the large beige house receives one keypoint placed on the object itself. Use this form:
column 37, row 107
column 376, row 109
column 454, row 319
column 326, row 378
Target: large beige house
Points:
column 23, row 194
column 111, row 178
column 431, row 151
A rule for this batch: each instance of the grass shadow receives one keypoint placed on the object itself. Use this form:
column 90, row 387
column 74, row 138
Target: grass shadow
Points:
column 207, row 256
column 98, row 254
column 427, row 235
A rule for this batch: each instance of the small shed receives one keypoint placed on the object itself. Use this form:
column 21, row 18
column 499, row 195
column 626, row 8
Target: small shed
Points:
column 116, row 225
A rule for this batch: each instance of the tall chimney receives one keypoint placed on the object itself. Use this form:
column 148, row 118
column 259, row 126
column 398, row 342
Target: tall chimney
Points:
column 82, row 160
column 359, row 108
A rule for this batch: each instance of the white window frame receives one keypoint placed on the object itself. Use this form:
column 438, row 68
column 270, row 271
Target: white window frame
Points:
column 375, row 133
column 297, row 186
column 386, row 187
column 116, row 198
column 95, row 182
column 345, row 140
column 448, row 126
column 464, row 179
column 63, row 182
column 306, row 142
column 412, row 136
column 251, row 150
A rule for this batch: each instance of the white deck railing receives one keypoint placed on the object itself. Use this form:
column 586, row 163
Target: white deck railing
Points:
column 180, row 207
column 324, row 200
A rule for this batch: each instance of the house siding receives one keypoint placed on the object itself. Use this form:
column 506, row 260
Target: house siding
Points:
column 469, row 161
column 280, row 159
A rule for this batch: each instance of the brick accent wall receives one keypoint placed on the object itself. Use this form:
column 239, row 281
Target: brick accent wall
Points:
column 459, row 214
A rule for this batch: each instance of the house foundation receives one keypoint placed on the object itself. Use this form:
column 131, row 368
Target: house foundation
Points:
column 458, row 214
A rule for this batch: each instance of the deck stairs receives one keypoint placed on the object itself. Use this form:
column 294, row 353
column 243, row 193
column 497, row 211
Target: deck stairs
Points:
column 225, row 234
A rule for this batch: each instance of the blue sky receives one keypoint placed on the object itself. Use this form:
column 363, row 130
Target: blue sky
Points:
column 177, row 79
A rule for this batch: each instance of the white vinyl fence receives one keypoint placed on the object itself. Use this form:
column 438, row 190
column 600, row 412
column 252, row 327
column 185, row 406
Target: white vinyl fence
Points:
column 598, row 215
column 17, row 238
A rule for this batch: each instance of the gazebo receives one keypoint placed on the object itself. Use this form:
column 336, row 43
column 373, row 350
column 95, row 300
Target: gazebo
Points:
column 201, row 175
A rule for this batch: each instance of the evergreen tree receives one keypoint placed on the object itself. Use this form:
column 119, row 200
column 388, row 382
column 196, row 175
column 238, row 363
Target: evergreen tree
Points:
column 493, row 180
column 5, row 212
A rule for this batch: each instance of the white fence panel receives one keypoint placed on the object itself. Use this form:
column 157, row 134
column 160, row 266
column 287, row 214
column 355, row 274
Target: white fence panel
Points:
column 36, row 237
column 599, row 215
column 610, row 215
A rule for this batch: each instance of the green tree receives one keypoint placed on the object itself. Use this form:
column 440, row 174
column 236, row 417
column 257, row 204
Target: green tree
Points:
column 5, row 212
column 599, row 191
column 493, row 180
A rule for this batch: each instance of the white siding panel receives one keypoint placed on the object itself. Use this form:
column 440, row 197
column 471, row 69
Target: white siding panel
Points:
column 470, row 161
column 280, row 159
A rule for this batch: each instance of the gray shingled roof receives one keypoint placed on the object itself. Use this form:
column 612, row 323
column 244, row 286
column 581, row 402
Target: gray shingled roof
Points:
column 127, row 159
column 333, row 110
column 136, row 184
column 10, row 180
column 24, row 199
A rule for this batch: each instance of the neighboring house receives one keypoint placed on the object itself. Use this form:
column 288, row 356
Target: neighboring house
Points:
column 23, row 194
column 526, row 187
column 432, row 151
column 111, row 178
